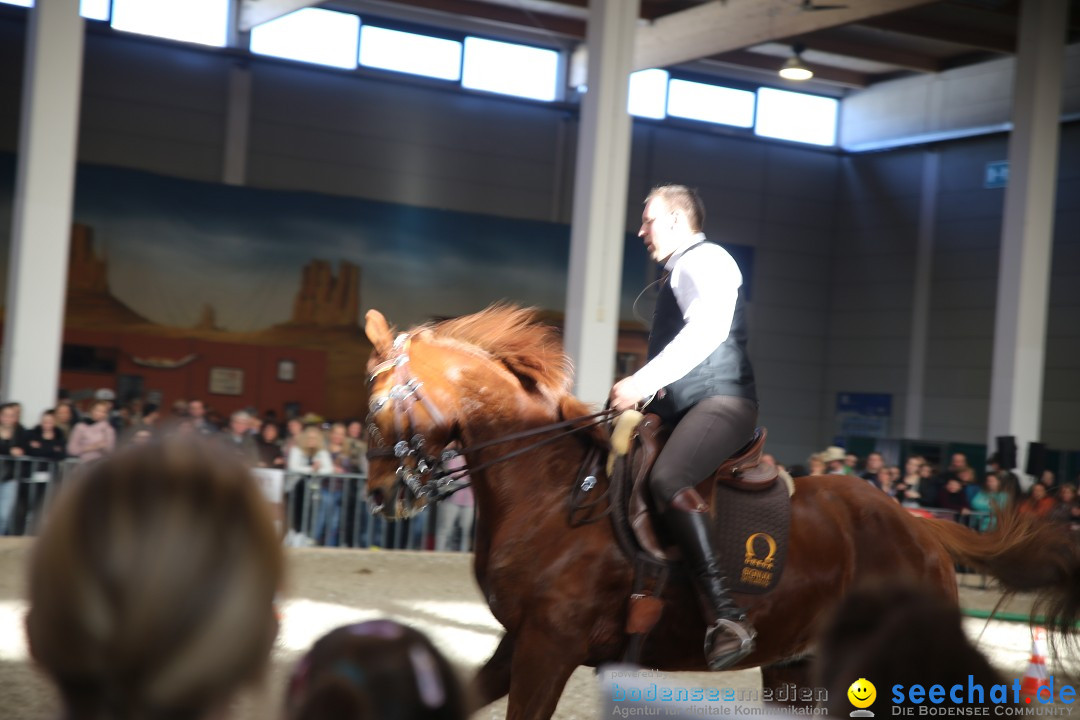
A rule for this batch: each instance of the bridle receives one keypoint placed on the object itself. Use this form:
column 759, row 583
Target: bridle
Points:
column 419, row 474
column 416, row 463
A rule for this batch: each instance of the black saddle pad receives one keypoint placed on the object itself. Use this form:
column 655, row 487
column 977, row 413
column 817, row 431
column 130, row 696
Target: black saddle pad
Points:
column 752, row 535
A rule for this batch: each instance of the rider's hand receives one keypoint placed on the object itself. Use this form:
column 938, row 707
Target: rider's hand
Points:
column 626, row 395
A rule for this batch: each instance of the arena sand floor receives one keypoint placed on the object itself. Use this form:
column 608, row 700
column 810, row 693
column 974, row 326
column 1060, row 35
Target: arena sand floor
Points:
column 434, row 592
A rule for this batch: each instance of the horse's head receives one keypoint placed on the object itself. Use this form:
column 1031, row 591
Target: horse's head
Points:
column 411, row 419
column 438, row 383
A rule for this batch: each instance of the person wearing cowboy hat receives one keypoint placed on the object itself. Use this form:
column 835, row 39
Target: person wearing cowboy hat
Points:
column 834, row 458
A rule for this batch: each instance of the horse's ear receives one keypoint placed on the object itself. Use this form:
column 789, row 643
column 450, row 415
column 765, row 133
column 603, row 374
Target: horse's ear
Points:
column 378, row 331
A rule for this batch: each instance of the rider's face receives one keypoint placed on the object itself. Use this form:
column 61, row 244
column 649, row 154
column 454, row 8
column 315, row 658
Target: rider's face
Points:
column 659, row 229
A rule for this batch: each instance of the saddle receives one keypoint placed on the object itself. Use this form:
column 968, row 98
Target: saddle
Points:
column 743, row 471
column 748, row 504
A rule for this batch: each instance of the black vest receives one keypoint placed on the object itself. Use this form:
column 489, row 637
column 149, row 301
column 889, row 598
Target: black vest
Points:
column 726, row 371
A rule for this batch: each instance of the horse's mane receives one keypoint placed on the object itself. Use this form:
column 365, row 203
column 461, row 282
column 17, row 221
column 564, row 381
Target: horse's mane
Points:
column 512, row 335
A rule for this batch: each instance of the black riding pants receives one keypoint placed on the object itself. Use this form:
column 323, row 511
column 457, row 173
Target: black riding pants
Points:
column 710, row 433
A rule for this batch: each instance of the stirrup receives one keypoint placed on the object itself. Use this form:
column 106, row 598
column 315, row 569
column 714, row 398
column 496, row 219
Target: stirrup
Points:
column 741, row 632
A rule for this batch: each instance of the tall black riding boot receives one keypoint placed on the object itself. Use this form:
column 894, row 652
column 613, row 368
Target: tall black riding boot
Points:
column 730, row 637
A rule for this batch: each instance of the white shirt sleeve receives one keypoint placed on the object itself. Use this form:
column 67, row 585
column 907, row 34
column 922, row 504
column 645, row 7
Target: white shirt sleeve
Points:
column 297, row 461
column 300, row 462
column 706, row 283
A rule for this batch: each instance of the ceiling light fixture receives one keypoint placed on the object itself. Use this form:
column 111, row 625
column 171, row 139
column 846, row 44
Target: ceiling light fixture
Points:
column 793, row 68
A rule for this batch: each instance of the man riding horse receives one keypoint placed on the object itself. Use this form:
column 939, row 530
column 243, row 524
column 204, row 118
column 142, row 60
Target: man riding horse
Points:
column 497, row 380
column 700, row 382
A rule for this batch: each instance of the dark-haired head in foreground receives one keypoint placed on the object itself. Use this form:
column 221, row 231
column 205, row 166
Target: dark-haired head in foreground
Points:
column 152, row 585
column 897, row 634
column 377, row 670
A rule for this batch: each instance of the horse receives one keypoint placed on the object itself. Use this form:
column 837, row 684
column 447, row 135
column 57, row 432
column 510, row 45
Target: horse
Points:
column 560, row 589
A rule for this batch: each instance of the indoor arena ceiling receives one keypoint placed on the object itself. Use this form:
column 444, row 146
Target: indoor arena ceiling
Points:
column 847, row 43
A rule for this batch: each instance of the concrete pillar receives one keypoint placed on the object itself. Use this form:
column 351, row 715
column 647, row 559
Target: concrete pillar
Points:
column 598, row 223
column 1027, row 229
column 41, row 224
column 920, row 306
column 237, row 124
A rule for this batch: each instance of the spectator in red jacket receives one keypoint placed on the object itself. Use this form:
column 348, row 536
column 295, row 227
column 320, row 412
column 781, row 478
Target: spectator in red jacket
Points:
column 1038, row 502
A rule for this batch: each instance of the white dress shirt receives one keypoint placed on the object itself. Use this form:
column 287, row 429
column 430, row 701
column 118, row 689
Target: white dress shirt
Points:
column 706, row 285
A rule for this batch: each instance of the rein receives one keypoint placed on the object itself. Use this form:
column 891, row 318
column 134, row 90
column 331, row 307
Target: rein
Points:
column 597, row 418
column 602, row 416
column 441, row 483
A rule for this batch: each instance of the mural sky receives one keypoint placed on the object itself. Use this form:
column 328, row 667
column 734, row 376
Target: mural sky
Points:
column 174, row 246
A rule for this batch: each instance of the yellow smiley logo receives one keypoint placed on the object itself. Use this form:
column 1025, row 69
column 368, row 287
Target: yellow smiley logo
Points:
column 862, row 693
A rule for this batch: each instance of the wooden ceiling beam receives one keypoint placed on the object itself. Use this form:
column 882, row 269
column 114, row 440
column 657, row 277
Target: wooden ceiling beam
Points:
column 720, row 27
column 980, row 39
column 653, row 9
column 824, row 42
column 1009, row 9
column 512, row 14
column 574, row 9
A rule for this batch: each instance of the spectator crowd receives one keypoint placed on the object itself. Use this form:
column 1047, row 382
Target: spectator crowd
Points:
column 958, row 489
column 323, row 465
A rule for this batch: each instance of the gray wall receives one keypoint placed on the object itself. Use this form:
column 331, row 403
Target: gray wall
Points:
column 152, row 107
column 397, row 142
column 870, row 319
column 834, row 236
column 160, row 107
column 1061, row 395
column 872, row 274
column 946, row 104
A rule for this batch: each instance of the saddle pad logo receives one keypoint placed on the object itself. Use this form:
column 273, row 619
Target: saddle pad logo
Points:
column 757, row 567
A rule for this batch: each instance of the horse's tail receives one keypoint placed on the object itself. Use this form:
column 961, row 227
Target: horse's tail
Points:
column 1026, row 554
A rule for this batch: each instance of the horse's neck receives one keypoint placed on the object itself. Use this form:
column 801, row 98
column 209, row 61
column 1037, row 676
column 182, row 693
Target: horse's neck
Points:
column 535, row 476
column 521, row 501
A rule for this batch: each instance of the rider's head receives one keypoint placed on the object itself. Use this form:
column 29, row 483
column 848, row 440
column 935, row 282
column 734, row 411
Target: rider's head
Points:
column 672, row 214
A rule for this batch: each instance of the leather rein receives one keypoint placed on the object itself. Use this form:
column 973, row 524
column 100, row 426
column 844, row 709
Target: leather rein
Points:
column 420, row 474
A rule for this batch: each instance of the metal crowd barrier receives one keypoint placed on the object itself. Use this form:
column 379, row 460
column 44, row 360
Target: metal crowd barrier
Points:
column 27, row 487
column 329, row 510
column 333, row 510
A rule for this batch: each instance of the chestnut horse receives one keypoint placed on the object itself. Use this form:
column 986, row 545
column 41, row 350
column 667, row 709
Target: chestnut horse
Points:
column 561, row 591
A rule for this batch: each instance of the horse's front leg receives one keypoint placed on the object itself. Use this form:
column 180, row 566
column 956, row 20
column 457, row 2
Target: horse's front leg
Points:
column 492, row 681
column 543, row 662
